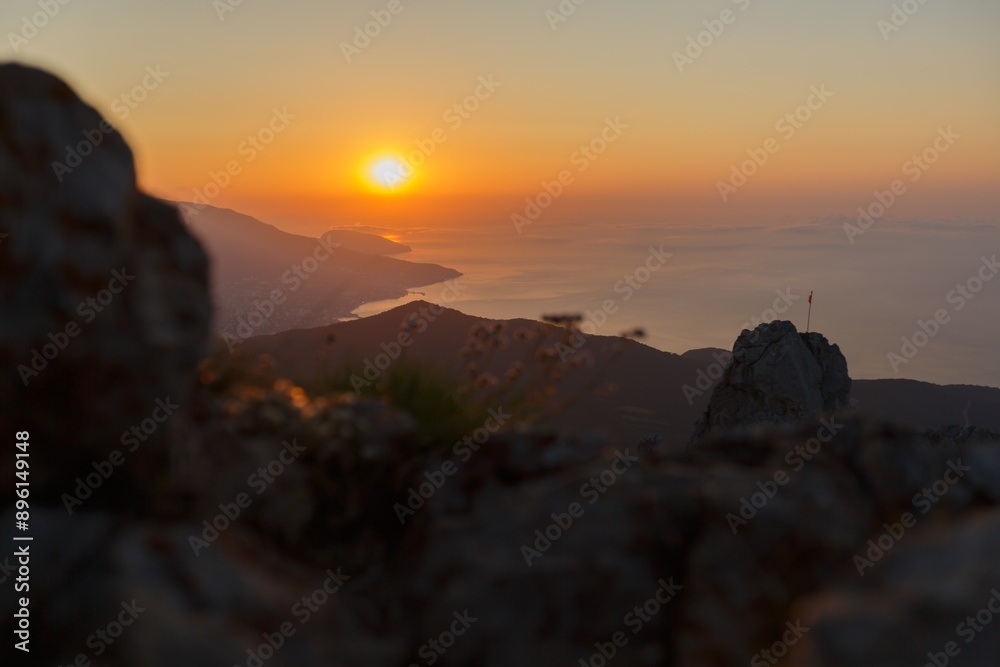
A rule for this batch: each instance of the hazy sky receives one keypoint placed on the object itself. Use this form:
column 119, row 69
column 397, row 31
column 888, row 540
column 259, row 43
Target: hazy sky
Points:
column 680, row 130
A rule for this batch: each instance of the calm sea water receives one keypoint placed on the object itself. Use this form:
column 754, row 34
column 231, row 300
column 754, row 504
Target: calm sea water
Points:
column 869, row 295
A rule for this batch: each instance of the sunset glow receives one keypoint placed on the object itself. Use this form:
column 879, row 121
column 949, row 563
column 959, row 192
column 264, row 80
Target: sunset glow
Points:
column 469, row 122
column 390, row 174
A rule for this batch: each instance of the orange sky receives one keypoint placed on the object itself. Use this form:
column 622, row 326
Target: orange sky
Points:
column 550, row 92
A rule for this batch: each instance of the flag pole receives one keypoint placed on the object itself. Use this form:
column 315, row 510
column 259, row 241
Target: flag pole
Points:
column 809, row 316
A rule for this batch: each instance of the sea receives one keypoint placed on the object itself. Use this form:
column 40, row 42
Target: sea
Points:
column 918, row 300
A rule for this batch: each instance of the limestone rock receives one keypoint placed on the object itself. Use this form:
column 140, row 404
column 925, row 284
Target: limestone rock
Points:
column 776, row 376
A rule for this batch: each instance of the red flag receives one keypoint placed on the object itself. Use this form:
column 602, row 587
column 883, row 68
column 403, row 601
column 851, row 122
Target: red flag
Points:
column 810, row 297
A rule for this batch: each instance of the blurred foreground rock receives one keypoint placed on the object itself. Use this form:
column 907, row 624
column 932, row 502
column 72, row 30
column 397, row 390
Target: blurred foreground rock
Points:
column 104, row 302
column 553, row 547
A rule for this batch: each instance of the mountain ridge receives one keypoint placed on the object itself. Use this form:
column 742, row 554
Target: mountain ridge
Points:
column 659, row 386
column 369, row 244
column 266, row 280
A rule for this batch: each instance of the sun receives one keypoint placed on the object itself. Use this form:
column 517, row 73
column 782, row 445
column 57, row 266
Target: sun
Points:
column 389, row 173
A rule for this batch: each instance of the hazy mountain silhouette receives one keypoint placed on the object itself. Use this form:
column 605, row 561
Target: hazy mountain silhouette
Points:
column 651, row 388
column 929, row 406
column 293, row 281
column 225, row 222
column 646, row 381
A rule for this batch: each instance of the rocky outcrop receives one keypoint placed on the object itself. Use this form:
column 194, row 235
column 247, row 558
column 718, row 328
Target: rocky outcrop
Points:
column 552, row 546
column 104, row 301
column 776, row 376
column 933, row 601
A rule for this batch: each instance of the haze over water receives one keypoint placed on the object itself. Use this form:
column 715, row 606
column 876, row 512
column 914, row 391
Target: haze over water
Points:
column 867, row 295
